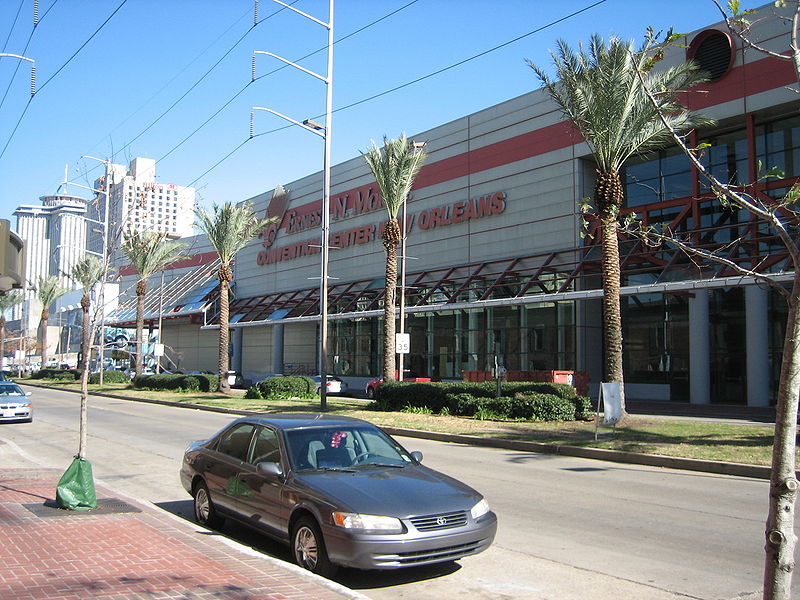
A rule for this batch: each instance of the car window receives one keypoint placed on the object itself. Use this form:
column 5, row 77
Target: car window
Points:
column 342, row 447
column 236, row 441
column 266, row 447
column 8, row 390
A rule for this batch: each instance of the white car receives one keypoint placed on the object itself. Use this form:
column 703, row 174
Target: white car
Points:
column 14, row 403
column 335, row 385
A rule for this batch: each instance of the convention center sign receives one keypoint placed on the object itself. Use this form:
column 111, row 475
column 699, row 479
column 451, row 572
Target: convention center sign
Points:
column 354, row 203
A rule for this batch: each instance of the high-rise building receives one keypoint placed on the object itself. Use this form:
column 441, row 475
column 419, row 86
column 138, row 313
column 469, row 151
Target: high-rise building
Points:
column 138, row 201
column 55, row 240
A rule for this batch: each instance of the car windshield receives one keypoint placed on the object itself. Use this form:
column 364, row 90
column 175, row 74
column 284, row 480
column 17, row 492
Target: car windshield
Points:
column 343, row 448
column 8, row 390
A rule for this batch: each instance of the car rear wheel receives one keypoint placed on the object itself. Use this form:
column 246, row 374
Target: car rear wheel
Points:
column 308, row 548
column 204, row 511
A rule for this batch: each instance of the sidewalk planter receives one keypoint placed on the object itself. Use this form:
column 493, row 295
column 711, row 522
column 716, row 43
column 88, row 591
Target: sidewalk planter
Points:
column 578, row 379
column 75, row 489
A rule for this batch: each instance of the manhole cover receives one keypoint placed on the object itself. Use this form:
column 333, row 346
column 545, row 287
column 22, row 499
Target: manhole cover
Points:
column 105, row 506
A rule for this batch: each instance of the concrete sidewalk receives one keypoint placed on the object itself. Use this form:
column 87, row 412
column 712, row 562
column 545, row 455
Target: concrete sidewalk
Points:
column 128, row 549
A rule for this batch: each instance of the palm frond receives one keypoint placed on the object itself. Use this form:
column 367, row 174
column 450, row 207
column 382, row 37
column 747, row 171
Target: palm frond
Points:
column 48, row 290
column 87, row 272
column 230, row 227
column 9, row 300
column 600, row 91
column 150, row 251
column 394, row 167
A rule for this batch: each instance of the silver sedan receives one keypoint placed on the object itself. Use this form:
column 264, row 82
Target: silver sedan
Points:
column 338, row 490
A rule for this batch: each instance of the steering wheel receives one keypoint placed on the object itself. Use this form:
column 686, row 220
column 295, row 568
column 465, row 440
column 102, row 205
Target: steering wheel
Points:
column 362, row 457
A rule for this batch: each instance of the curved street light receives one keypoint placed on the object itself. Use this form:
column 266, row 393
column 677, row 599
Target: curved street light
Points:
column 325, row 133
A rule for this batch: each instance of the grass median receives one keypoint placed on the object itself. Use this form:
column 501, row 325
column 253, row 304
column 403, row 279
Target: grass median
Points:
column 686, row 438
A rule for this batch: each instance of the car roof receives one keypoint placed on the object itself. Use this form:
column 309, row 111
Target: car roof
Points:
column 303, row 420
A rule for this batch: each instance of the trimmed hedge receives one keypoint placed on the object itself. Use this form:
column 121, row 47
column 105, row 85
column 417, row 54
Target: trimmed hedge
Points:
column 112, row 376
column 191, row 383
column 520, row 400
column 394, row 395
column 287, row 387
column 56, row 374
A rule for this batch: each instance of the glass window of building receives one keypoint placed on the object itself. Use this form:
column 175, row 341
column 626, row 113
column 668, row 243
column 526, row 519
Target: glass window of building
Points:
column 778, row 146
column 658, row 176
column 726, row 159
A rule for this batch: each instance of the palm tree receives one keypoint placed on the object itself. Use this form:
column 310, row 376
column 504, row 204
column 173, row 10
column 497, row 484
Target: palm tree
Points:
column 7, row 301
column 600, row 92
column 48, row 290
column 229, row 228
column 394, row 168
column 87, row 273
column 148, row 252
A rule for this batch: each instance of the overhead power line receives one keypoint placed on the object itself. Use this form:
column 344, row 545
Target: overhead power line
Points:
column 25, row 49
column 413, row 81
column 25, row 110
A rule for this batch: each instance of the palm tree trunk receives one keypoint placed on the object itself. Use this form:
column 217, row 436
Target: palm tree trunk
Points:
column 43, row 326
column 391, row 239
column 141, row 290
column 2, row 341
column 223, row 386
column 86, row 349
column 780, row 536
column 608, row 197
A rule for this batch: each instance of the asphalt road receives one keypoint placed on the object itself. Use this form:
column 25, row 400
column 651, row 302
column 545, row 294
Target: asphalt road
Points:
column 569, row 528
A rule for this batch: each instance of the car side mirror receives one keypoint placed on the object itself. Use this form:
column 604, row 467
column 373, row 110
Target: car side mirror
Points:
column 417, row 456
column 27, row 393
column 270, row 468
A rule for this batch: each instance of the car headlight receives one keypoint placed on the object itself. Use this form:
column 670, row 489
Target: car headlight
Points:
column 480, row 509
column 360, row 522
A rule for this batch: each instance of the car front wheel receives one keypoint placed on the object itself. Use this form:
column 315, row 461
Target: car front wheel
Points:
column 308, row 548
column 204, row 512
column 370, row 392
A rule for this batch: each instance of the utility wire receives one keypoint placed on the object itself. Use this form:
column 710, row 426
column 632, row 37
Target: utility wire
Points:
column 178, row 74
column 418, row 79
column 239, row 93
column 14, row 24
column 202, row 77
column 25, row 110
column 91, row 37
column 471, row 58
column 24, row 50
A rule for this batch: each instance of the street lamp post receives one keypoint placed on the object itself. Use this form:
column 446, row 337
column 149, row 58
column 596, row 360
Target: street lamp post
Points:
column 105, row 255
column 325, row 133
column 418, row 146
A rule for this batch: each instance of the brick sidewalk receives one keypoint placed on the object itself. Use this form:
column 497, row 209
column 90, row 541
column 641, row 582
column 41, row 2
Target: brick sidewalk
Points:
column 129, row 550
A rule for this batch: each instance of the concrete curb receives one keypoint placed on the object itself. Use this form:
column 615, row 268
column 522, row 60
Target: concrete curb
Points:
column 650, row 460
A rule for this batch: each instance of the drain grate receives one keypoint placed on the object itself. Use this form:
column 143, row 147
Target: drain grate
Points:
column 105, row 506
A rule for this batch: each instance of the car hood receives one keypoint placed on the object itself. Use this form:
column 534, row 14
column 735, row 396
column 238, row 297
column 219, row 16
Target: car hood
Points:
column 398, row 492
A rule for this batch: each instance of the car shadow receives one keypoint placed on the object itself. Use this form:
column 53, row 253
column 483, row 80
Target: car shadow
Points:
column 355, row 579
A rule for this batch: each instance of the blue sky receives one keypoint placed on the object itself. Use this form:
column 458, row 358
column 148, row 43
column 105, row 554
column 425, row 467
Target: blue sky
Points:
column 114, row 98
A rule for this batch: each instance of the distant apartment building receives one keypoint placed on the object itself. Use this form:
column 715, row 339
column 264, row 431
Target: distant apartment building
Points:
column 138, row 201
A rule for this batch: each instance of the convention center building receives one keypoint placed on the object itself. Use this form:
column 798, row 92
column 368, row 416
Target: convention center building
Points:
column 496, row 260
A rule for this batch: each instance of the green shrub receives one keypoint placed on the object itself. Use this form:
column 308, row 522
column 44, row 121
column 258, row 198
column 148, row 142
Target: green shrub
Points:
column 56, row 374
column 542, row 407
column 394, row 395
column 187, row 383
column 113, row 376
column 252, row 393
column 584, row 411
column 287, row 387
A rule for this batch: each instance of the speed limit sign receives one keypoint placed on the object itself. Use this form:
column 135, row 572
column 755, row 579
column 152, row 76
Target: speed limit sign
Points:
column 402, row 343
